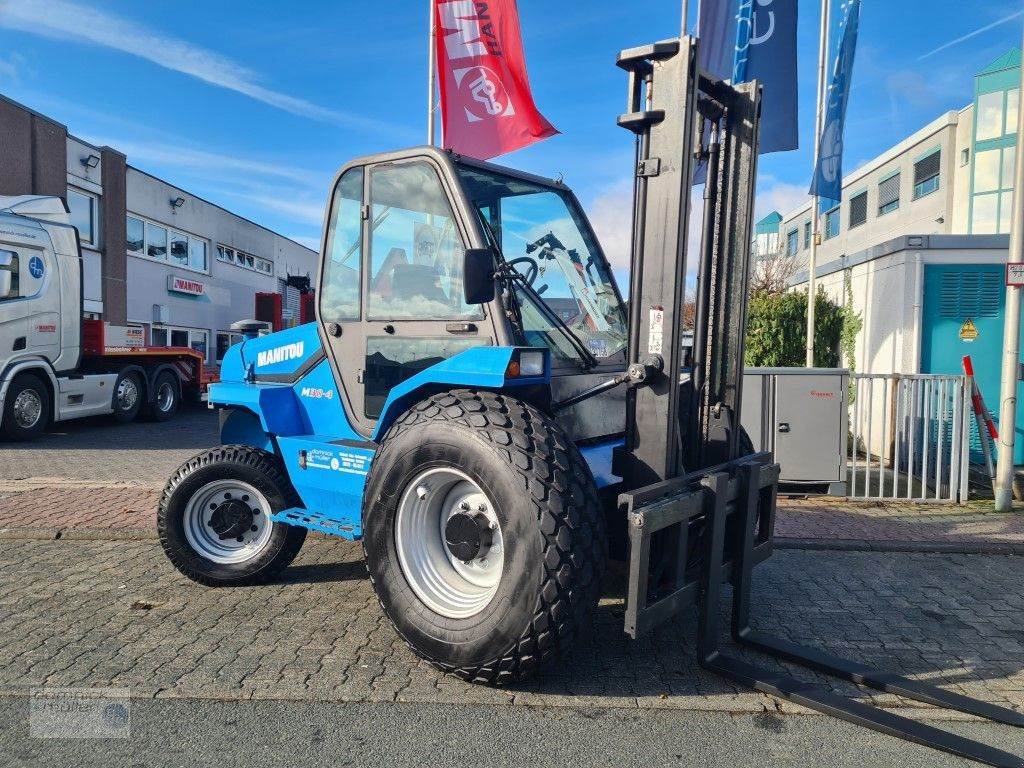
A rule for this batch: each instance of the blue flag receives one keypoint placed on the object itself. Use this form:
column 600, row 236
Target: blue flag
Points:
column 746, row 40
column 827, row 182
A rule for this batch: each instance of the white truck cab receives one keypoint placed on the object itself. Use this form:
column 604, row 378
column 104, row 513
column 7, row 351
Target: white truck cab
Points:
column 54, row 365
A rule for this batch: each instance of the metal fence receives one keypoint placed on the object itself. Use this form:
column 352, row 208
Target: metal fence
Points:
column 909, row 437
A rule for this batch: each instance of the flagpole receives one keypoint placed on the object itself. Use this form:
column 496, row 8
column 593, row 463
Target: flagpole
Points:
column 812, row 266
column 686, row 17
column 431, row 75
column 1011, row 339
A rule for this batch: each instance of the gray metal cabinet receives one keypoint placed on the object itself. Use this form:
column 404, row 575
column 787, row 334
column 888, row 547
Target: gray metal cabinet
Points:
column 800, row 414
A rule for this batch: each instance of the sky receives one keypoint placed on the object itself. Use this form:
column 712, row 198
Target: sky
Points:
column 254, row 106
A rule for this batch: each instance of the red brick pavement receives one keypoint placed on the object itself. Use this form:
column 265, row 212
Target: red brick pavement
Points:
column 131, row 510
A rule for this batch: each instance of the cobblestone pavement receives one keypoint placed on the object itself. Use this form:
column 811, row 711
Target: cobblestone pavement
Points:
column 114, row 613
column 100, row 449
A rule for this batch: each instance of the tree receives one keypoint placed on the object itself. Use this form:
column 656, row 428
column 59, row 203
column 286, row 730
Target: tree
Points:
column 777, row 330
column 773, row 270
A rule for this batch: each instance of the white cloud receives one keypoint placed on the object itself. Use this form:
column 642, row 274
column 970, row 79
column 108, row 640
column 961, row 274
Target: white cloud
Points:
column 62, row 20
column 213, row 165
column 611, row 214
column 775, row 195
column 972, row 33
column 11, row 66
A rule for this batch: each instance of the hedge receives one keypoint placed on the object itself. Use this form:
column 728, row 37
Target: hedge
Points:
column 777, row 330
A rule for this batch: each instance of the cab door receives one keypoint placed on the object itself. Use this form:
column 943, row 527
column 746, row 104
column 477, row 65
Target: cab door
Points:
column 391, row 294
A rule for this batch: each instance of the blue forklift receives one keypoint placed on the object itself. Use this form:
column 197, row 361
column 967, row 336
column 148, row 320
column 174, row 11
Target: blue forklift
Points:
column 480, row 407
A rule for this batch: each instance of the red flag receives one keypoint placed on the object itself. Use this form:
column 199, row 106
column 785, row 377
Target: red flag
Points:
column 486, row 105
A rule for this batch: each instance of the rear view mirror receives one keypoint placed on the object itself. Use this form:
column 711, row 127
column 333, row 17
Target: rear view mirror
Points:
column 478, row 275
column 5, row 284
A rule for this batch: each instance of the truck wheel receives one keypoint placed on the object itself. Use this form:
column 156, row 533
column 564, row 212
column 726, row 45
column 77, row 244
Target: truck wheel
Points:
column 128, row 396
column 483, row 534
column 166, row 396
column 26, row 409
column 214, row 517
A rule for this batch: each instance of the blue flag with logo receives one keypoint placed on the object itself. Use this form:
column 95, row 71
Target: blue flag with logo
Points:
column 744, row 40
column 827, row 182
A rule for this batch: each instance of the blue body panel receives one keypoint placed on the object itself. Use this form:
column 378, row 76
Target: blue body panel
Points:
column 304, row 421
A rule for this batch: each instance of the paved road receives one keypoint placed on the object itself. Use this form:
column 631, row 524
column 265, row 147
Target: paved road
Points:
column 100, row 449
column 114, row 613
column 192, row 732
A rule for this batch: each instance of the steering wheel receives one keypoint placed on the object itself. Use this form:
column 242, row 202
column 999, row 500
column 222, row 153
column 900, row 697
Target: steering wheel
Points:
column 532, row 268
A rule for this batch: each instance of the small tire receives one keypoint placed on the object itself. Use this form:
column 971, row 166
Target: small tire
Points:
column 128, row 396
column 26, row 408
column 166, row 397
column 551, row 528
column 225, row 481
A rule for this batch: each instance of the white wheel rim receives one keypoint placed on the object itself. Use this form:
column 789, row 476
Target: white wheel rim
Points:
column 215, row 523
column 447, row 585
column 127, row 394
column 28, row 408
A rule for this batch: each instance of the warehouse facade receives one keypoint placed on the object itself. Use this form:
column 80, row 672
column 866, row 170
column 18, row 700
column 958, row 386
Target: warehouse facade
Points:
column 155, row 257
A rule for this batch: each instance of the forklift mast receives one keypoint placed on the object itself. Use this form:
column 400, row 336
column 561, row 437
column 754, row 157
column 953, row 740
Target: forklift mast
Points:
column 671, row 108
column 700, row 514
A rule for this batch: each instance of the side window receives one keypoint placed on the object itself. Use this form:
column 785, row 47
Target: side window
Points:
column 9, row 278
column 416, row 250
column 339, row 296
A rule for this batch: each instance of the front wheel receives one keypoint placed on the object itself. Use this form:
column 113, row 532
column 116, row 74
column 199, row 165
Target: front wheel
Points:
column 214, row 518
column 483, row 534
column 26, row 409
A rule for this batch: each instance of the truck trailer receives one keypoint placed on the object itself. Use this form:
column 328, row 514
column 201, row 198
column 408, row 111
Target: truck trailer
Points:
column 56, row 365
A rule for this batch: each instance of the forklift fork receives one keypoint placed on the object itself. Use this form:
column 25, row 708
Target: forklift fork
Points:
column 737, row 504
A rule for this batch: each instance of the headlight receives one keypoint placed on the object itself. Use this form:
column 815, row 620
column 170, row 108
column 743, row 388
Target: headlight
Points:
column 527, row 363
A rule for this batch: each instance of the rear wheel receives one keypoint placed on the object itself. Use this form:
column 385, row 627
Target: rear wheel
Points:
column 127, row 396
column 215, row 521
column 166, row 396
column 483, row 534
column 26, row 408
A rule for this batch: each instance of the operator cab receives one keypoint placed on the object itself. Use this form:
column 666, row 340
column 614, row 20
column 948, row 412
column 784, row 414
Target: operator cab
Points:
column 411, row 234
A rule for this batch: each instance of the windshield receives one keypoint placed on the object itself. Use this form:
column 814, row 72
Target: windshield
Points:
column 543, row 235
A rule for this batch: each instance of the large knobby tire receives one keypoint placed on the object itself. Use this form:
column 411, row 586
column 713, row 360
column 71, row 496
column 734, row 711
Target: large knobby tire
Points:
column 213, row 518
column 543, row 502
column 26, row 409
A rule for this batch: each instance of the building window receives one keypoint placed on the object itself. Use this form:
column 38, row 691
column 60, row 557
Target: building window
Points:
column 992, row 203
column 83, row 215
column 244, row 260
column 926, row 174
column 146, row 238
column 156, row 241
column 792, row 242
column 225, row 340
column 1012, row 105
column 171, row 336
column 889, row 194
column 858, row 209
column 179, row 249
column 832, row 223
column 807, row 235
column 965, row 157
column 990, row 116
column 136, row 236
